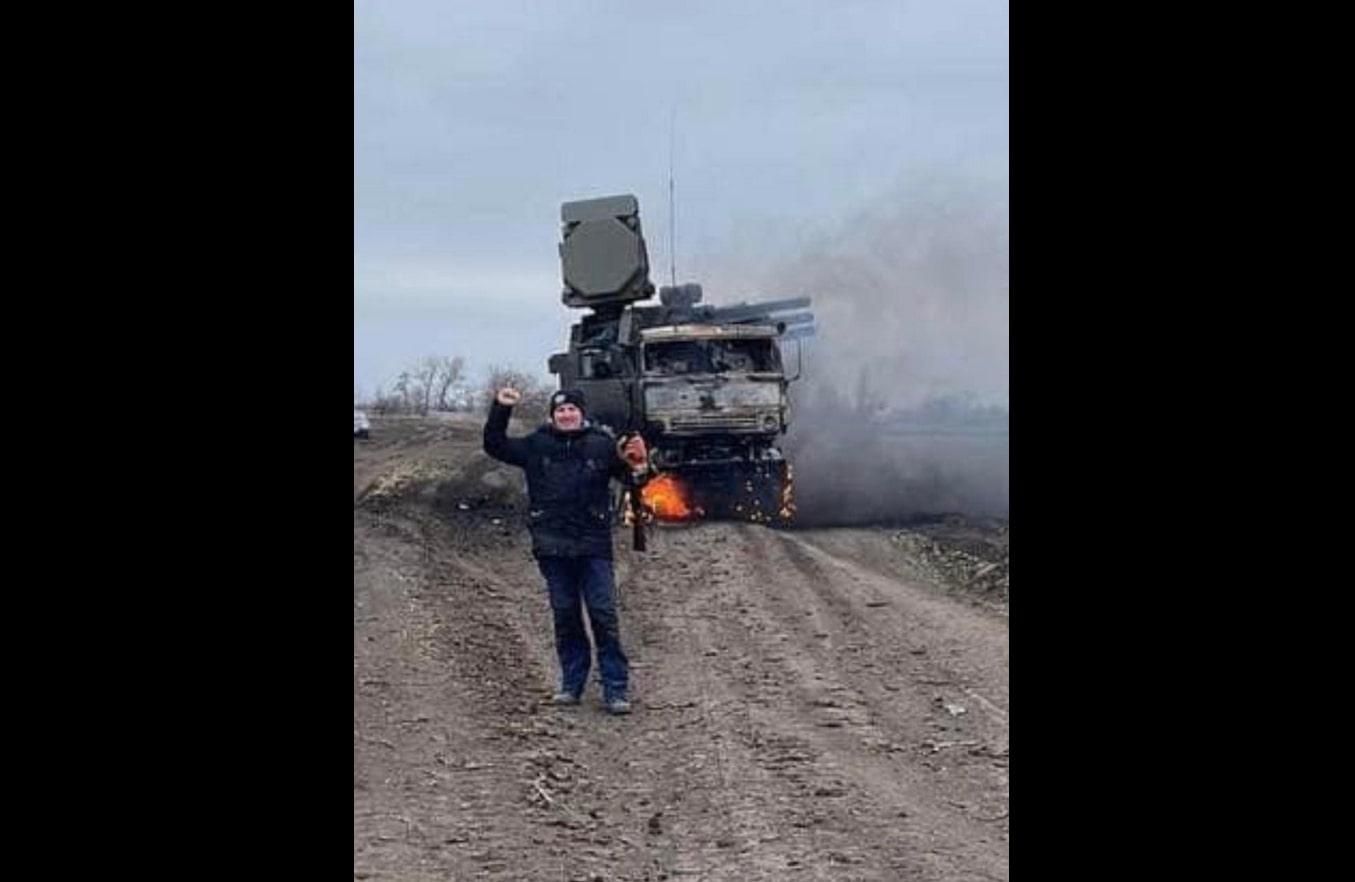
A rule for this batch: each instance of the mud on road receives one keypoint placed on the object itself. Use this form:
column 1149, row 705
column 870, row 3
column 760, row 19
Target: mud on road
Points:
column 819, row 704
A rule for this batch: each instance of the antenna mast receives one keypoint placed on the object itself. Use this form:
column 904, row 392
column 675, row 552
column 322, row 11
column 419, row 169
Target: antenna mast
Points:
column 672, row 210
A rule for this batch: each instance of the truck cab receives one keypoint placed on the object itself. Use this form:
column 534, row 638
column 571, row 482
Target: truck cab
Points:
column 699, row 379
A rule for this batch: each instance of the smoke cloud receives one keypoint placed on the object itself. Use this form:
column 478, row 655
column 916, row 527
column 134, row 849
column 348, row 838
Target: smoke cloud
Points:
column 902, row 409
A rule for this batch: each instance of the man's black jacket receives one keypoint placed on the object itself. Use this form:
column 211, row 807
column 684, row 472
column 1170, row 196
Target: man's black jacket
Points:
column 569, row 508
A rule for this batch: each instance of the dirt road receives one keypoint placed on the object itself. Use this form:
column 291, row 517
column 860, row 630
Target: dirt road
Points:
column 809, row 704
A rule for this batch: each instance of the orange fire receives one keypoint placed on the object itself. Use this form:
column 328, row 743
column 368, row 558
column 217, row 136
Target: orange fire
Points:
column 788, row 495
column 667, row 499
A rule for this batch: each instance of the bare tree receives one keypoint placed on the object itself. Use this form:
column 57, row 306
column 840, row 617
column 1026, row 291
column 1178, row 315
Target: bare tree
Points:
column 386, row 403
column 535, row 396
column 426, row 373
column 451, row 369
column 404, row 390
column 425, row 385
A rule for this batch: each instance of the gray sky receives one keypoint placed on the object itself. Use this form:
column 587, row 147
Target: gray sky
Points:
column 794, row 120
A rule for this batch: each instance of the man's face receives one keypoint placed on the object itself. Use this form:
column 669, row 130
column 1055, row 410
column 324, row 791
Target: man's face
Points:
column 567, row 418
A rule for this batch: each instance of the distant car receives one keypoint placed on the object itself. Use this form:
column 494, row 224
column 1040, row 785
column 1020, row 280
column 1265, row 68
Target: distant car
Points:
column 361, row 427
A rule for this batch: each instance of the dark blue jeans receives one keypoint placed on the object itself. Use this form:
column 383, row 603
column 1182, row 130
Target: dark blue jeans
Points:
column 575, row 582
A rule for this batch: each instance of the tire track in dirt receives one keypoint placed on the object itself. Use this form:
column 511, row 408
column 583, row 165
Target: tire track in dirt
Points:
column 446, row 713
column 934, row 652
column 724, row 820
column 783, row 791
column 837, row 694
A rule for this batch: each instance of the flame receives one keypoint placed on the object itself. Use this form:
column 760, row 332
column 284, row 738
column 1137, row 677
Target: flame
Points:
column 667, row 499
column 788, row 495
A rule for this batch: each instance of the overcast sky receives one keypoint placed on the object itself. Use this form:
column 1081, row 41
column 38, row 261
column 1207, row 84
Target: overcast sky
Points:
column 474, row 120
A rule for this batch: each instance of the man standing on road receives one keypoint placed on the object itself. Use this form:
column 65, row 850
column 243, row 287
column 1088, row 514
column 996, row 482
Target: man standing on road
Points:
column 569, row 463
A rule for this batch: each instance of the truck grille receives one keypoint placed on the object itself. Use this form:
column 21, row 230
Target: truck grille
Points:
column 733, row 423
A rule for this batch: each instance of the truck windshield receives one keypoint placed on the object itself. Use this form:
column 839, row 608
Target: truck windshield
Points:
column 711, row 357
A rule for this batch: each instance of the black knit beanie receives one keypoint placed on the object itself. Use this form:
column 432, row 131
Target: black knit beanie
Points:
column 567, row 396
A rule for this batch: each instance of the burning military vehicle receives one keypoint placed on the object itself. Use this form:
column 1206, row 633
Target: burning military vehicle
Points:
column 705, row 385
